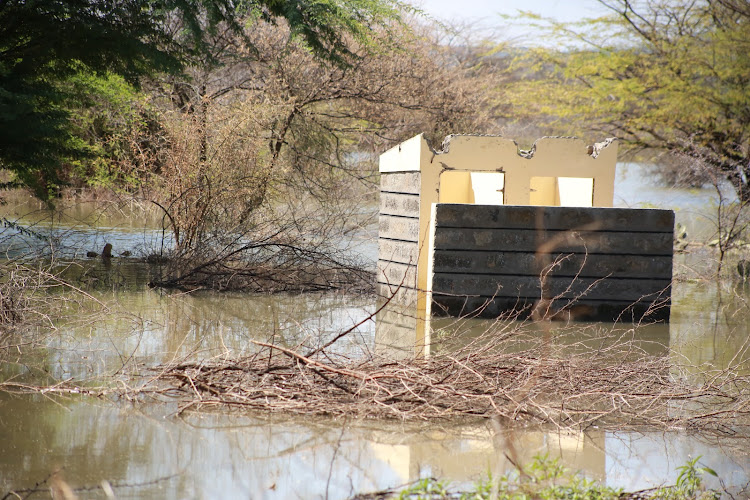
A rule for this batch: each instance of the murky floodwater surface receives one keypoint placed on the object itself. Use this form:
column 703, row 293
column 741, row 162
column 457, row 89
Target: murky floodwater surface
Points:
column 153, row 451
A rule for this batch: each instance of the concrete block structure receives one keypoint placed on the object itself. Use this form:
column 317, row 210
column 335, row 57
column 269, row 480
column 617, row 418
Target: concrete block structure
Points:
column 481, row 228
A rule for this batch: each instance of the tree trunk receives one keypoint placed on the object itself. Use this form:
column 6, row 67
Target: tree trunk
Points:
column 740, row 178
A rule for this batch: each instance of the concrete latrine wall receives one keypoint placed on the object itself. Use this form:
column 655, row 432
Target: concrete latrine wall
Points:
column 398, row 236
column 586, row 263
column 457, row 230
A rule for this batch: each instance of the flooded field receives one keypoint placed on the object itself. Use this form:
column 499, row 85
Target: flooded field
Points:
column 121, row 327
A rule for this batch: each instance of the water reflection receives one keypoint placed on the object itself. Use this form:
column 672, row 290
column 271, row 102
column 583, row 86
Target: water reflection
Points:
column 710, row 326
column 145, row 453
column 399, row 332
column 396, row 336
column 162, row 455
column 150, row 326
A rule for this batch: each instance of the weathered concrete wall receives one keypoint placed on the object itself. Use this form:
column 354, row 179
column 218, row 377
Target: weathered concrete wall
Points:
column 597, row 263
column 398, row 238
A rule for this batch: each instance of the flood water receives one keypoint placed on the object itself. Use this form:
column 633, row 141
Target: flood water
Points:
column 149, row 450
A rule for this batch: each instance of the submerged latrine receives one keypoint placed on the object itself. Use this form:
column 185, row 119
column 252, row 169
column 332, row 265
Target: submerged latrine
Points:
column 481, row 229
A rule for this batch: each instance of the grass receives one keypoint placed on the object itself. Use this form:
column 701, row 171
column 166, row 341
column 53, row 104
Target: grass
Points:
column 547, row 479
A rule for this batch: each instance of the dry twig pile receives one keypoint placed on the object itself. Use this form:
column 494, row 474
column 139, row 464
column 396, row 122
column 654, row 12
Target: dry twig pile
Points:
column 519, row 377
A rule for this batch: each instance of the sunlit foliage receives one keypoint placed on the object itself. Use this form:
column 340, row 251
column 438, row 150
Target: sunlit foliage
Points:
column 667, row 75
column 43, row 43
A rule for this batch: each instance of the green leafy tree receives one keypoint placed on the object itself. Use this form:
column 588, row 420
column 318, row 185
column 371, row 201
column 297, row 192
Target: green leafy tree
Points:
column 661, row 75
column 105, row 112
column 44, row 43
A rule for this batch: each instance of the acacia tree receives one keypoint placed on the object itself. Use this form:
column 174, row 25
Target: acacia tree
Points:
column 667, row 74
column 44, row 42
column 270, row 163
column 41, row 44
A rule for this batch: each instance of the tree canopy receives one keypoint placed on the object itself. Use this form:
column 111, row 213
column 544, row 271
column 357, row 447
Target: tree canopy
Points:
column 669, row 75
column 43, row 43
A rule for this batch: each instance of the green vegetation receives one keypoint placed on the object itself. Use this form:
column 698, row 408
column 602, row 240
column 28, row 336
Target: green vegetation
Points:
column 253, row 127
column 42, row 45
column 82, row 81
column 46, row 47
column 662, row 76
column 251, row 124
column 546, row 479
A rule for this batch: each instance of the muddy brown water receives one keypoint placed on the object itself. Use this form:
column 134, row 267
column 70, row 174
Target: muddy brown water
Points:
column 151, row 451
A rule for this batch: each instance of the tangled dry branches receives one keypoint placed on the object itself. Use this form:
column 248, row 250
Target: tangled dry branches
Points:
column 520, row 376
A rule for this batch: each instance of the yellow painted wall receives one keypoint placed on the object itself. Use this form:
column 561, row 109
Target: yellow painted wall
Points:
column 455, row 187
column 543, row 191
column 482, row 449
